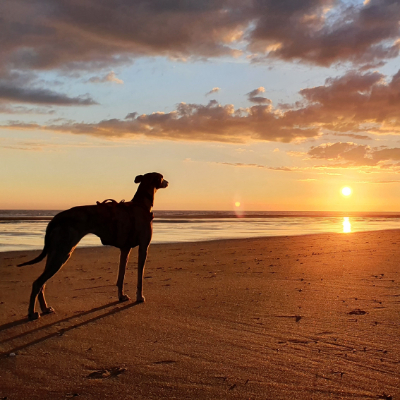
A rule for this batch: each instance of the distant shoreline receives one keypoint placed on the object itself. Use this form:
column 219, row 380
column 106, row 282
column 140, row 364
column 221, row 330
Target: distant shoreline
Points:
column 188, row 215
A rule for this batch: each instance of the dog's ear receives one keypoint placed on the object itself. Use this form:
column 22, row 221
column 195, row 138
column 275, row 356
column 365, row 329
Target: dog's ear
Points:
column 138, row 179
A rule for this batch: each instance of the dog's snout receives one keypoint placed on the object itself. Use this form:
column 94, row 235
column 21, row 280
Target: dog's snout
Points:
column 164, row 184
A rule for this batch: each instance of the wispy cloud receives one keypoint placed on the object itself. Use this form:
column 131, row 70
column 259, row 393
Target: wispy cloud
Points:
column 246, row 165
column 213, row 90
column 26, row 88
column 110, row 77
column 41, row 96
column 254, row 96
column 380, row 182
column 13, row 109
column 353, row 136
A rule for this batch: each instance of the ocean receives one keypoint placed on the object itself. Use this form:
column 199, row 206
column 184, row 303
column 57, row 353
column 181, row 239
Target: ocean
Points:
column 25, row 229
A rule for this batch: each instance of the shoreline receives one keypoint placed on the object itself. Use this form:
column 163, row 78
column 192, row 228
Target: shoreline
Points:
column 308, row 317
column 212, row 215
column 216, row 240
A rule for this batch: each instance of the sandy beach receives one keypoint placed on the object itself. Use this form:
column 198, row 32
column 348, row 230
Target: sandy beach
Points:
column 302, row 317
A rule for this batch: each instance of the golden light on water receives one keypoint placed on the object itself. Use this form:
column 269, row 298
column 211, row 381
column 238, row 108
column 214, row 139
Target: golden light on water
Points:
column 346, row 191
column 346, row 225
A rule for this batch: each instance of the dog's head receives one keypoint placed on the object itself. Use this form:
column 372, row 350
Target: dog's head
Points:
column 152, row 180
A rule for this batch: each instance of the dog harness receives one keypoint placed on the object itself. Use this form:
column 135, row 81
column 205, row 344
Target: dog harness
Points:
column 114, row 203
column 119, row 218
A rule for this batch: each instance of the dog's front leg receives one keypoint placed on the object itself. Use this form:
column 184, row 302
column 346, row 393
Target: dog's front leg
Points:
column 141, row 261
column 123, row 261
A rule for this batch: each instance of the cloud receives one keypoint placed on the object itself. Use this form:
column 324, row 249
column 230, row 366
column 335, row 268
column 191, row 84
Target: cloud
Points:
column 352, row 105
column 46, row 34
column 285, row 169
column 9, row 109
column 254, row 96
column 24, row 88
column 42, row 145
column 351, row 154
column 324, row 32
column 193, row 122
column 213, row 90
column 15, row 94
column 131, row 115
column 110, row 77
column 387, row 154
column 381, row 182
column 25, row 147
column 12, row 144
column 49, row 35
column 353, row 136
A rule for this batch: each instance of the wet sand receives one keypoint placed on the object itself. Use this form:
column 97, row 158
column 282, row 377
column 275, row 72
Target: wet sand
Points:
column 305, row 317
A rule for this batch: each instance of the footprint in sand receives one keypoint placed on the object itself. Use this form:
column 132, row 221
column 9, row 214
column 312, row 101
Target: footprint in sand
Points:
column 106, row 373
column 357, row 311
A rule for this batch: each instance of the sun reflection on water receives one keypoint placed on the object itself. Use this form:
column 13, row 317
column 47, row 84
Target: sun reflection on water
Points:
column 346, row 225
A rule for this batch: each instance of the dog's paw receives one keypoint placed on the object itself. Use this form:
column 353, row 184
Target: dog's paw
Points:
column 140, row 299
column 48, row 310
column 33, row 316
column 124, row 297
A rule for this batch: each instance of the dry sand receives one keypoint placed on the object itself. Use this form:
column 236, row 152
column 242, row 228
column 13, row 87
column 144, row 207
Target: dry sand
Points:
column 306, row 317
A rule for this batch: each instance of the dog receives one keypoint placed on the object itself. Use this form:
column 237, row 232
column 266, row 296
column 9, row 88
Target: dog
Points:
column 124, row 225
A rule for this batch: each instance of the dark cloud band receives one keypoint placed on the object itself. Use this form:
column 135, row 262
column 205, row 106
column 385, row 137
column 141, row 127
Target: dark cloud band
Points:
column 46, row 34
column 15, row 94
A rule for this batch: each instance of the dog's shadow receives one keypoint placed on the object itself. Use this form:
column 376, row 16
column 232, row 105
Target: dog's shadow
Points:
column 25, row 336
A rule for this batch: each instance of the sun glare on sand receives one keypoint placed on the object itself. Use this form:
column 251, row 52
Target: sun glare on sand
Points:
column 346, row 191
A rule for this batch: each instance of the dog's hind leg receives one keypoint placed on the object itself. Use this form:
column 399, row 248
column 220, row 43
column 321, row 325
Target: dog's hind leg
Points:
column 123, row 261
column 55, row 260
column 141, row 262
column 37, row 287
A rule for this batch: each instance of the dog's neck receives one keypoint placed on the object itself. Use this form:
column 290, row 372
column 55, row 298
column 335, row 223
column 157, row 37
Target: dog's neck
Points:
column 144, row 197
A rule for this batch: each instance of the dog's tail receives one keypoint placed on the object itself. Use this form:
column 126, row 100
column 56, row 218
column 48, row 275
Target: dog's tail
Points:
column 40, row 257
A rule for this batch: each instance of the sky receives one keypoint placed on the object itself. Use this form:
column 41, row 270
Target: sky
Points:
column 276, row 105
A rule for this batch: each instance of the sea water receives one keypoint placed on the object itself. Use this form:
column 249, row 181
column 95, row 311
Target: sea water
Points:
column 25, row 229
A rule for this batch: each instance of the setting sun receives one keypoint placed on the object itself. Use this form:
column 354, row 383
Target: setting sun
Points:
column 346, row 191
column 237, row 204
